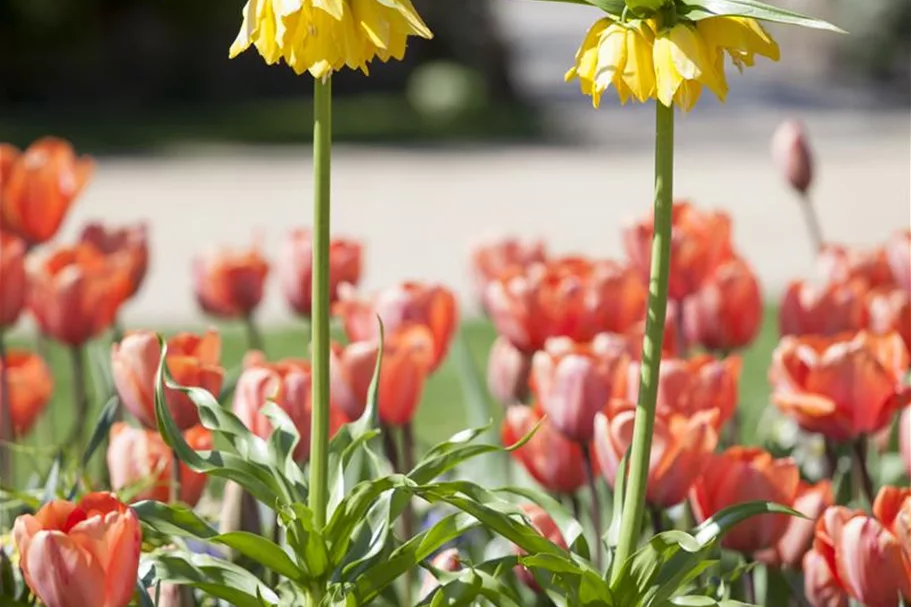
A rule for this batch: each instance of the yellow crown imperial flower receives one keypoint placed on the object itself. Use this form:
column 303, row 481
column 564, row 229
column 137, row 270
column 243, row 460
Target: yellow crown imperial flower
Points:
column 683, row 64
column 324, row 36
column 741, row 37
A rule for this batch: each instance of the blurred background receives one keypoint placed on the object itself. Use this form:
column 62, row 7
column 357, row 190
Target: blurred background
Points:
column 474, row 134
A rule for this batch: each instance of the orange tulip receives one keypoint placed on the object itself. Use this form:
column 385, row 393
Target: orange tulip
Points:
column 76, row 293
column 192, row 360
column 743, row 474
column 811, row 501
column 843, row 387
column 702, row 241
column 544, row 524
column 39, row 187
column 834, row 309
column 447, row 560
column 296, row 268
column 30, row 388
column 139, row 459
column 508, row 372
column 890, row 310
column 407, row 359
column 573, row 382
column 492, row 259
column 726, row 312
column 13, row 281
column 867, row 558
column 432, row 306
column 701, row 383
column 229, row 284
column 681, row 447
column 549, row 457
column 898, row 255
column 840, row 265
column 80, row 555
column 904, row 437
column 127, row 245
column 570, row 297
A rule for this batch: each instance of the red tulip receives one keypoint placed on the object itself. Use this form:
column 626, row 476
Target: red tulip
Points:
column 127, row 245
column 701, row 241
column 701, row 383
column 867, row 558
column 904, row 436
column 229, row 284
column 80, row 555
column 39, row 186
column 841, row 265
column 834, row 309
column 811, row 501
column 432, row 306
column 726, row 312
column 8, row 155
column 508, row 372
column 13, row 280
column 550, row 458
column 681, row 446
column 898, row 255
column 447, row 560
column 407, row 359
column 296, row 268
column 843, row 387
column 571, row 297
column 76, row 293
column 491, row 260
column 138, row 458
column 573, row 382
column 791, row 152
column 30, row 388
column 740, row 475
column 890, row 310
column 192, row 360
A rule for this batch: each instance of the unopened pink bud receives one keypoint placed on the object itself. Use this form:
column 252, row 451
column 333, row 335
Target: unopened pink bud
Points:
column 791, row 152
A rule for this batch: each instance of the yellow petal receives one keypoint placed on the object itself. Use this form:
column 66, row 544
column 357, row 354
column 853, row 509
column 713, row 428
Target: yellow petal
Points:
column 667, row 78
column 611, row 56
column 336, row 8
column 639, row 71
column 247, row 30
column 688, row 94
column 408, row 12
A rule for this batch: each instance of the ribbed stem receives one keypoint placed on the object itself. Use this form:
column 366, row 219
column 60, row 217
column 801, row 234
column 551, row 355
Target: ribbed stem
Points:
column 319, row 446
column 634, row 506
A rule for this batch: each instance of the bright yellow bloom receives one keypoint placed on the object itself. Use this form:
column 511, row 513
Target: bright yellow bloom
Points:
column 323, row 36
column 741, row 37
column 618, row 54
column 683, row 64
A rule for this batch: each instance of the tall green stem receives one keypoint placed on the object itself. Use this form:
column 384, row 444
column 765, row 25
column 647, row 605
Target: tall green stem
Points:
column 634, row 501
column 319, row 446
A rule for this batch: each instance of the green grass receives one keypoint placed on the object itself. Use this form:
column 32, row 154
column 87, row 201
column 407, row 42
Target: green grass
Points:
column 442, row 412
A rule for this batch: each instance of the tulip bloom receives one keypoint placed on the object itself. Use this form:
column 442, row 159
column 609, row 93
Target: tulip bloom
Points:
column 791, row 152
column 30, row 388
column 491, row 260
column 701, row 383
column 889, row 310
column 508, row 372
column 811, row 501
column 843, row 387
column 127, row 245
column 295, row 268
column 138, row 458
column 572, row 382
column 898, row 255
column 740, row 475
column 866, row 558
column 833, row 309
column 840, row 264
column 407, row 359
column 432, row 306
column 726, row 312
column 229, row 284
column 702, row 241
column 13, row 281
column 549, row 457
column 80, row 555
column 76, row 293
column 39, row 186
column 193, row 361
column 681, row 447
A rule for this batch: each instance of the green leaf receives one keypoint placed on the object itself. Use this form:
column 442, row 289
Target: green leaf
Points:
column 218, row 578
column 703, row 9
column 53, row 480
column 612, row 535
column 715, row 526
column 144, row 599
column 465, row 586
column 570, row 528
column 614, row 8
column 183, row 522
column 101, row 431
column 306, row 540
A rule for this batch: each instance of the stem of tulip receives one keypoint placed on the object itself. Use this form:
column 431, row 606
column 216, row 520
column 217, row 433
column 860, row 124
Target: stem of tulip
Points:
column 6, row 425
column 811, row 219
column 863, row 473
column 595, row 504
column 80, row 397
column 319, row 446
column 254, row 336
column 634, row 501
column 408, row 515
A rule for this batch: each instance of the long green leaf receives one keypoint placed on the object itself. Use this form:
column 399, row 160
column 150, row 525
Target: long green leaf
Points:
column 465, row 586
column 614, row 8
column 218, row 578
column 703, row 9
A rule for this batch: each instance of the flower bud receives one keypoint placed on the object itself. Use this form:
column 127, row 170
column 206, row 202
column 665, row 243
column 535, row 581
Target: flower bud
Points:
column 791, row 152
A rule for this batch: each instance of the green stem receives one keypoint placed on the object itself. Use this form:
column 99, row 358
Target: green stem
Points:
column 254, row 336
column 319, row 446
column 81, row 399
column 6, row 425
column 634, row 506
column 174, row 494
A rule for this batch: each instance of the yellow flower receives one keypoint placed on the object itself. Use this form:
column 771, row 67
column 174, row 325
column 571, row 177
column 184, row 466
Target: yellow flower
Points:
column 618, row 54
column 683, row 64
column 741, row 37
column 323, row 36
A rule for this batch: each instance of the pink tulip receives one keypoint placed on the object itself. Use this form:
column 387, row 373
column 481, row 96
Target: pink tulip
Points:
column 508, row 371
column 791, row 152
